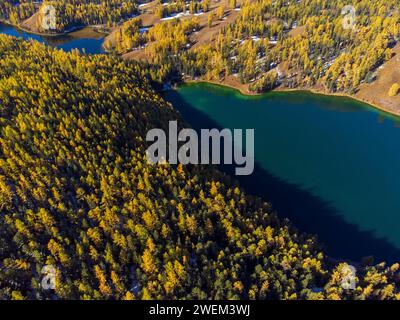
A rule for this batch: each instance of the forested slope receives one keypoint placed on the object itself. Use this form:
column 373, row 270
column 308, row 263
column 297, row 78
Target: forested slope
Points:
column 77, row 193
column 290, row 44
column 69, row 13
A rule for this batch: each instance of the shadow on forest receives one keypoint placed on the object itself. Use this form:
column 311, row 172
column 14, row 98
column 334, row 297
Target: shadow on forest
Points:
column 308, row 213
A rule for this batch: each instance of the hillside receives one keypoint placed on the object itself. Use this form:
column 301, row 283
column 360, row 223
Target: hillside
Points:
column 77, row 193
column 257, row 46
column 69, row 14
column 251, row 45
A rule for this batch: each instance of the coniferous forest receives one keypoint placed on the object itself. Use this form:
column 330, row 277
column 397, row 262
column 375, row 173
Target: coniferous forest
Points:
column 293, row 44
column 70, row 13
column 77, row 191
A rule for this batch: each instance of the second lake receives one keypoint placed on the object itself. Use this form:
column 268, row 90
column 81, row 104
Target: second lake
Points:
column 84, row 40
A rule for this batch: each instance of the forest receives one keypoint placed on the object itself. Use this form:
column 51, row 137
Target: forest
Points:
column 70, row 13
column 291, row 44
column 77, row 193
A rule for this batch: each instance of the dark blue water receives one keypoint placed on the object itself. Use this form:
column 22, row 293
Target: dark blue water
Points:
column 329, row 164
column 65, row 42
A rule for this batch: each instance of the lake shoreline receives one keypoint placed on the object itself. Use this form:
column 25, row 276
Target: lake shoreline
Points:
column 246, row 92
column 242, row 88
column 86, row 39
column 49, row 35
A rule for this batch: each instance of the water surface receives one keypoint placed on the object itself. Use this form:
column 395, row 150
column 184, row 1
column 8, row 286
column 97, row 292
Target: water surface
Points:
column 329, row 164
column 67, row 43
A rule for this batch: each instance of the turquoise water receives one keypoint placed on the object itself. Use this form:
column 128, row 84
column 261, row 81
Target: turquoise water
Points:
column 65, row 42
column 329, row 164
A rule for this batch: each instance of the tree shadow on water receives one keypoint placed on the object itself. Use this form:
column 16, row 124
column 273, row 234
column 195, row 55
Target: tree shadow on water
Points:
column 308, row 212
column 312, row 214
